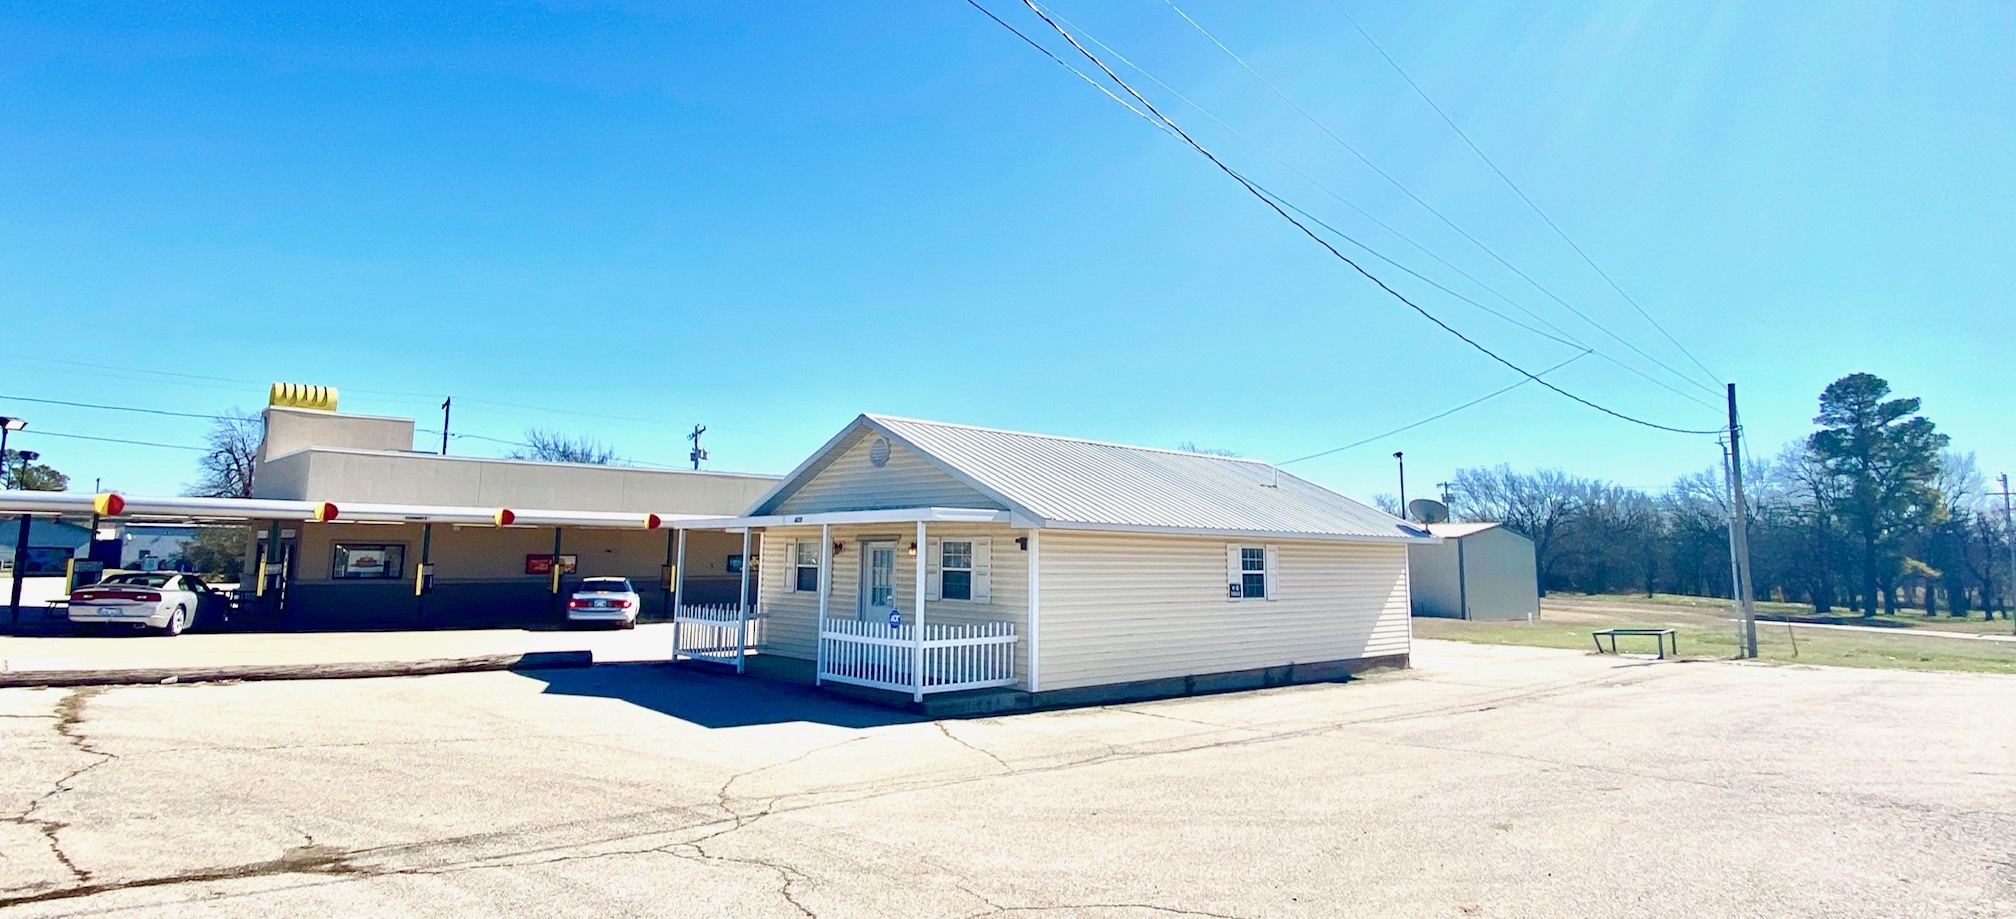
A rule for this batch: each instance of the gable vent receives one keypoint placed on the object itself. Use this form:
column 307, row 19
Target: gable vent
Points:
column 878, row 452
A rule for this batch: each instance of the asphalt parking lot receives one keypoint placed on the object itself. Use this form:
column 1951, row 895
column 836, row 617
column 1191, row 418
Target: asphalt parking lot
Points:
column 1490, row 781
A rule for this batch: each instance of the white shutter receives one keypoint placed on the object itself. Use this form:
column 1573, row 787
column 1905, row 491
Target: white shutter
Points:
column 982, row 586
column 790, row 566
column 1232, row 573
column 1273, row 565
column 932, row 561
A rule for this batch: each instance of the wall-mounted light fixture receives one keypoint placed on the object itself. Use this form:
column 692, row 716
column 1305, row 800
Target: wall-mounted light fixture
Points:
column 913, row 550
column 837, row 546
column 1022, row 542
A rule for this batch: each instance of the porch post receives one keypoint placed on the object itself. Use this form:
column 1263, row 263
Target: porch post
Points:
column 1035, row 602
column 553, row 579
column 825, row 586
column 742, row 607
column 420, row 575
column 678, row 592
column 664, row 583
column 917, row 669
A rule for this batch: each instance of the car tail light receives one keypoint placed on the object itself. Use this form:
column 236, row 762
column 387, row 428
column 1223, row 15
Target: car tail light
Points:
column 620, row 604
column 149, row 597
column 575, row 604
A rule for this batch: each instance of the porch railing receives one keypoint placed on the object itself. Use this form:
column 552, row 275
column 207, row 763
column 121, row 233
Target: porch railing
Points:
column 721, row 634
column 955, row 655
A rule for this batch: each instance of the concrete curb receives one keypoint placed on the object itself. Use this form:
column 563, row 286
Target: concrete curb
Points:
column 535, row 660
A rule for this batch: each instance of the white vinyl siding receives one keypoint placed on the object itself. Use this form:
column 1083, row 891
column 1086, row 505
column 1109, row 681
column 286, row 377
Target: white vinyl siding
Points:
column 852, row 483
column 1120, row 607
column 791, row 617
column 958, row 570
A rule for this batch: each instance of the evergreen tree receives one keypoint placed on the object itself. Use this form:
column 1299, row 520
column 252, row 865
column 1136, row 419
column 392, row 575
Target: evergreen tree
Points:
column 1887, row 458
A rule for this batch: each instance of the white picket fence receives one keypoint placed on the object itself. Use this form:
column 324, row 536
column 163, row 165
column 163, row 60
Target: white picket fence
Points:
column 714, row 633
column 957, row 655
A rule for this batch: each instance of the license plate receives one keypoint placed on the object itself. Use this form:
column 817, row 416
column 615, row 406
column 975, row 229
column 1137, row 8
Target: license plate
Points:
column 601, row 604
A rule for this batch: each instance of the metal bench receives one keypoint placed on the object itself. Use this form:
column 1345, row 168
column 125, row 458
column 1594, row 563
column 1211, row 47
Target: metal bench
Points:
column 1663, row 636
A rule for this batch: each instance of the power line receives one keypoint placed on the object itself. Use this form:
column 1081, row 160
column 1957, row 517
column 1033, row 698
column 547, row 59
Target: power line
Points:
column 1662, row 384
column 1438, row 415
column 1569, row 340
column 111, row 408
column 1516, row 189
column 38, row 432
column 1319, row 240
column 1396, row 183
column 217, row 382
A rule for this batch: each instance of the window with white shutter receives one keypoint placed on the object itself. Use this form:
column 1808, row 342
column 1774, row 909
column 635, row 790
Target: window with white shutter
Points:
column 1249, row 572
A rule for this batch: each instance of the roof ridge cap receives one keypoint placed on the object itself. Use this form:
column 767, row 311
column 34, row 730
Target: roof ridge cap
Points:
column 1074, row 440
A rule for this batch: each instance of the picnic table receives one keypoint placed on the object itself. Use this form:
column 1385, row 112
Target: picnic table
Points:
column 1661, row 636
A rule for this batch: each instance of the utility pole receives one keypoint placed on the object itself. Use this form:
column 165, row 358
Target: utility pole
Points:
column 698, row 453
column 446, row 404
column 1739, row 536
column 1448, row 491
column 2009, row 533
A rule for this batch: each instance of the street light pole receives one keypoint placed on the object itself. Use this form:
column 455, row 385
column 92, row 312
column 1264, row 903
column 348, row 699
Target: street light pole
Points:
column 20, row 538
column 7, row 426
column 1401, row 458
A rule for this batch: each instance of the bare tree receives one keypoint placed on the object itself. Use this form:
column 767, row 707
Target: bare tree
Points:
column 1190, row 446
column 230, row 456
column 554, row 447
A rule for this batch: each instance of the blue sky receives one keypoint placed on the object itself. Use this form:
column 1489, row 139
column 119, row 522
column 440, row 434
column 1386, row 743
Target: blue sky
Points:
column 638, row 217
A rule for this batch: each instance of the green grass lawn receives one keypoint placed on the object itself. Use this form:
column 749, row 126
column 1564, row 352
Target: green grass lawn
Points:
column 1566, row 622
column 1905, row 619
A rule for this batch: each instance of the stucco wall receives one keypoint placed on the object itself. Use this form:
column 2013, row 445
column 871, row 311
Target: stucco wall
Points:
column 291, row 429
column 338, row 475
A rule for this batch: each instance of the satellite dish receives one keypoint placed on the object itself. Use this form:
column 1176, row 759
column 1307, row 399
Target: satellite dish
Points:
column 1427, row 510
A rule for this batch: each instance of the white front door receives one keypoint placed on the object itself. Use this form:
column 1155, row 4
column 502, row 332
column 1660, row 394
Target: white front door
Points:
column 878, row 581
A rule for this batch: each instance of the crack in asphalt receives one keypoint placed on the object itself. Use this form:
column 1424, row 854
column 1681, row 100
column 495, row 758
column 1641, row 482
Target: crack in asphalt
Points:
column 324, row 860
column 785, row 873
column 68, row 714
column 946, row 730
column 998, row 909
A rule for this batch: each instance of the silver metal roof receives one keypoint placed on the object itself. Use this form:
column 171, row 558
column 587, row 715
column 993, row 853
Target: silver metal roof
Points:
column 1067, row 482
column 1459, row 530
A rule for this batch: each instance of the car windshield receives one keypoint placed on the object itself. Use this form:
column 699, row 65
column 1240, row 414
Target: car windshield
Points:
column 606, row 585
column 139, row 580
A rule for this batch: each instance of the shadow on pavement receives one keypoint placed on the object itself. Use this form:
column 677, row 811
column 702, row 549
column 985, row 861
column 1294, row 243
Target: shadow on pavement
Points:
column 716, row 700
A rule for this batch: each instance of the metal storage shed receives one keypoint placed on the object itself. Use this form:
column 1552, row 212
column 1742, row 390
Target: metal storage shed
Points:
column 1477, row 571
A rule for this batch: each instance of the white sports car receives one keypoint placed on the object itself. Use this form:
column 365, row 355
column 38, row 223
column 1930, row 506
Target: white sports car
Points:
column 163, row 600
column 604, row 600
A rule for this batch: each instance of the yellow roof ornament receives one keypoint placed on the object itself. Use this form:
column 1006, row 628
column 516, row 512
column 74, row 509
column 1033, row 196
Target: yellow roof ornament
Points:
column 302, row 395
